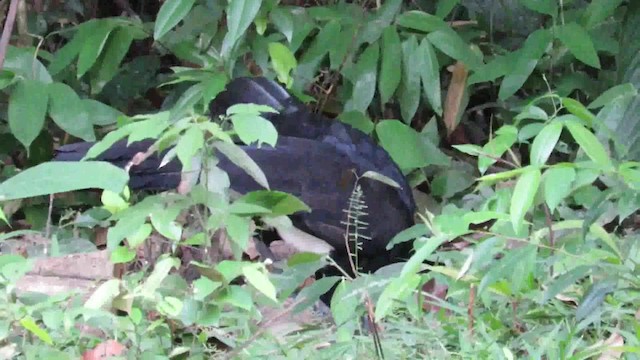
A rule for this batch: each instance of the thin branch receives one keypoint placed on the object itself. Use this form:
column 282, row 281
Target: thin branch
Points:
column 6, row 31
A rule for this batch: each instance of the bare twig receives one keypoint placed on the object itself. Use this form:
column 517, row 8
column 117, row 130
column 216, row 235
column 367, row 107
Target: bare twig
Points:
column 6, row 31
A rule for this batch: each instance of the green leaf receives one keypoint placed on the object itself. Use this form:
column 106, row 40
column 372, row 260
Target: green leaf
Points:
column 364, row 86
column 57, row 177
column 523, row 196
column 104, row 295
column 398, row 289
column 189, row 145
column 576, row 108
column 563, row 281
column 93, row 46
column 391, row 65
column 27, row 108
column 549, row 7
column 3, row 217
column 499, row 66
column 409, row 94
column 557, row 183
column 160, row 272
column 283, row 62
column 506, row 136
column 579, row 43
column 430, row 76
column 240, row 158
column 117, row 47
column 358, row 120
column 544, row 143
column 527, row 59
column 445, row 7
column 613, row 94
column 322, row 43
column 277, row 202
column 122, row 255
column 170, row 14
column 594, row 298
column 30, row 325
column 69, row 112
column 590, row 144
column 450, row 43
column 421, row 21
column 64, row 56
column 240, row 14
column 254, row 128
column 422, row 253
column 598, row 11
column 101, row 114
column 283, row 21
column 259, row 280
column 238, row 228
column 406, row 147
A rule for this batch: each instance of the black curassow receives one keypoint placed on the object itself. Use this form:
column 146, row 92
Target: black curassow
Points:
column 311, row 160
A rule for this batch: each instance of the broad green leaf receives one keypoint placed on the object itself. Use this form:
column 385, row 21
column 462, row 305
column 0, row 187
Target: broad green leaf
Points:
column 598, row 11
column 113, row 202
column 69, row 112
column 254, row 128
column 523, row 196
column 164, row 221
column 116, row 48
column 283, row 62
column 526, row 61
column 421, row 21
column 450, row 43
column 430, row 76
column 406, row 147
column 240, row 158
column 160, row 272
column 189, row 145
column 282, row 19
column 259, row 280
column 499, row 66
column 93, row 46
column 590, row 144
column 364, row 86
column 170, row 14
column 240, row 14
column 579, row 43
column 322, row 43
column 549, row 7
column 238, row 228
column 24, row 62
column 391, row 65
column 544, row 143
column 557, row 183
column 612, row 94
column 57, row 177
column 409, row 92
column 27, row 108
column 445, row 7
column 358, row 120
column 100, row 113
column 137, row 238
column 122, row 255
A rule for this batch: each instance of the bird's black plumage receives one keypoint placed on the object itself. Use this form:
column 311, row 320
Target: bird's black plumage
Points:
column 315, row 159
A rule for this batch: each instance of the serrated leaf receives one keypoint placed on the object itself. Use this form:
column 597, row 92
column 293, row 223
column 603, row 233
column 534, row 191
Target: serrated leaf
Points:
column 589, row 144
column 391, row 64
column 170, row 14
column 544, row 143
column 57, row 177
column 430, row 76
column 579, row 43
column 364, row 86
column 27, row 108
column 523, row 196
column 557, row 183
column 69, row 112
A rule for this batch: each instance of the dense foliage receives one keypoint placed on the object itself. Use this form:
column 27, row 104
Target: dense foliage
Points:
column 516, row 121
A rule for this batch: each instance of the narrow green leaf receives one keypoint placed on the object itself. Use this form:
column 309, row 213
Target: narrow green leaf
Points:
column 579, row 43
column 364, row 87
column 69, row 112
column 57, row 177
column 523, row 195
column 576, row 108
column 409, row 95
column 544, row 143
column 3, row 217
column 240, row 158
column 27, row 108
column 421, row 21
column 417, row 259
column 450, row 43
column 406, row 147
column 117, row 47
column 93, row 46
column 430, row 76
column 64, row 56
column 594, row 298
column 30, row 325
column 391, row 66
column 170, row 14
column 322, row 43
column 563, row 281
column 557, row 183
column 590, row 144
column 612, row 94
column 240, row 14
column 527, row 59
column 260, row 281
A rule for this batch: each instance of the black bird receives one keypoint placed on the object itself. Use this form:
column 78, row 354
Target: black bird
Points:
column 315, row 159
